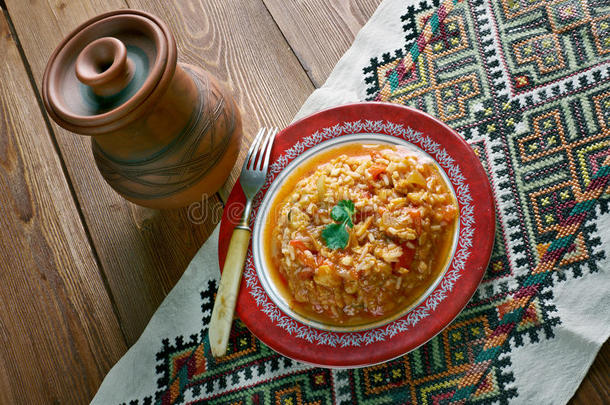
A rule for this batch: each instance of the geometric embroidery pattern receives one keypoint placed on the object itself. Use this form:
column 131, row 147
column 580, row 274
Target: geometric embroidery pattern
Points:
column 527, row 84
column 536, row 115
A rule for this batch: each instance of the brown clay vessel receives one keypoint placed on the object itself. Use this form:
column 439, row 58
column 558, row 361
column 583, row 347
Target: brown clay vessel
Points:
column 164, row 134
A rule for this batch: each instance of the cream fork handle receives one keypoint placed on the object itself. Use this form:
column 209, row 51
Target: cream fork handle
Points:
column 226, row 297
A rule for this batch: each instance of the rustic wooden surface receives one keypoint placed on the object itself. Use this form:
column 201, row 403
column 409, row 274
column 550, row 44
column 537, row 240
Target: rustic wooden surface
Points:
column 91, row 267
column 320, row 32
column 146, row 255
column 58, row 330
column 252, row 59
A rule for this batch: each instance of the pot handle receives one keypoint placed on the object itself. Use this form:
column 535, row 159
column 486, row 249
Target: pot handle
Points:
column 104, row 66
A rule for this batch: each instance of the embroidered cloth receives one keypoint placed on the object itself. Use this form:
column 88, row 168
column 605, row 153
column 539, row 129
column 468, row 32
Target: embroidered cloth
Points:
column 527, row 84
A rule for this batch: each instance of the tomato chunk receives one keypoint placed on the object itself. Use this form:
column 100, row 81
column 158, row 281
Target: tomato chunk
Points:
column 408, row 254
column 298, row 244
column 304, row 258
column 377, row 170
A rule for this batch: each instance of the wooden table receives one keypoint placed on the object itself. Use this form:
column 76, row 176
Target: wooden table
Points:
column 81, row 269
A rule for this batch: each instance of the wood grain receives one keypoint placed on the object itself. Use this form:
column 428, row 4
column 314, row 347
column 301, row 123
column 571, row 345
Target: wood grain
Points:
column 320, row 31
column 143, row 252
column 239, row 43
column 58, row 330
column 594, row 389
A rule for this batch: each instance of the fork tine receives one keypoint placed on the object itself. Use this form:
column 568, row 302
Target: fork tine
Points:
column 260, row 161
column 268, row 150
column 256, row 156
column 261, row 151
column 253, row 147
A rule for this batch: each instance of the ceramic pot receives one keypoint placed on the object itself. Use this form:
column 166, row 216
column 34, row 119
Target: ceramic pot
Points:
column 163, row 134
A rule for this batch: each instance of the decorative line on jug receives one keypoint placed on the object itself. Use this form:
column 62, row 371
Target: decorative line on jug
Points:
column 157, row 176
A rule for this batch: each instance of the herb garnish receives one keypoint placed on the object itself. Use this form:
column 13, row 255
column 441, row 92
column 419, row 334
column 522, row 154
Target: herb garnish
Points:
column 336, row 235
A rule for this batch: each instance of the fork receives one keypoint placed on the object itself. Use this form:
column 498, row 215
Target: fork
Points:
column 252, row 178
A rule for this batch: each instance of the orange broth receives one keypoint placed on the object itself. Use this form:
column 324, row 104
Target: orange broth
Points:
column 271, row 257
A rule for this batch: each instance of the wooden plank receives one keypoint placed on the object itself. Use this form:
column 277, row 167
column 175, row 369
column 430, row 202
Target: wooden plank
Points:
column 143, row 252
column 58, row 330
column 240, row 44
column 594, row 388
column 320, row 31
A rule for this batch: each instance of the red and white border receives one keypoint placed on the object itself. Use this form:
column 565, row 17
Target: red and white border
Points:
column 440, row 293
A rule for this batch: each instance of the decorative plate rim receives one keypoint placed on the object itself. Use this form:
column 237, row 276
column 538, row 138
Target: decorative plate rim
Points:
column 460, row 281
column 411, row 318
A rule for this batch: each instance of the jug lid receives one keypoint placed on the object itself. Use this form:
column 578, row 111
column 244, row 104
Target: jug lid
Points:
column 109, row 71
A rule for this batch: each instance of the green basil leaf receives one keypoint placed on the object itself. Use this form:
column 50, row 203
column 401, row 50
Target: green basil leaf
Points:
column 335, row 236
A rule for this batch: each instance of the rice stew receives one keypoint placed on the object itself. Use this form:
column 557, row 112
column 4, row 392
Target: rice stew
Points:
column 357, row 234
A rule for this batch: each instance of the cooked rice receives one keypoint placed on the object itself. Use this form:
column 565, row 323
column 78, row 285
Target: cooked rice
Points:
column 405, row 215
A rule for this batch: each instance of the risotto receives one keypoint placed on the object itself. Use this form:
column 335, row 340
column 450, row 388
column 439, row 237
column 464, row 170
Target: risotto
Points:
column 361, row 233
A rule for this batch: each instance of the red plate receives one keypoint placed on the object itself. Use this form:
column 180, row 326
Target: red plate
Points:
column 477, row 226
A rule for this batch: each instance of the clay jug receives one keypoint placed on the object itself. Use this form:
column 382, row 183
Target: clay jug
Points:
column 163, row 134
